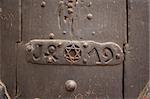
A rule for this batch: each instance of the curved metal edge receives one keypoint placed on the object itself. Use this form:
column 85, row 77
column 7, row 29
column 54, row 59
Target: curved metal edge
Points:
column 3, row 91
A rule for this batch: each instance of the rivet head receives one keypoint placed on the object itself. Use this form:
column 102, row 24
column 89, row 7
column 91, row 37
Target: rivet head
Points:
column 85, row 45
column 50, row 60
column 70, row 5
column 29, row 48
column 64, row 32
column 93, row 33
column 61, row 2
column 43, row 4
column 89, row 4
column 81, row 38
column 51, row 35
column 59, row 44
column 70, row 10
column 84, row 61
column 52, row 49
column 89, row 16
column 70, row 85
column 118, row 56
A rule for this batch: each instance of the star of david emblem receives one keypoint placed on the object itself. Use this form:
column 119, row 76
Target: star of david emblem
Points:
column 72, row 53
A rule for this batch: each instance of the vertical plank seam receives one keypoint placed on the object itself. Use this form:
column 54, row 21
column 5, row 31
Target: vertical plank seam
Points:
column 16, row 91
column 127, row 21
column 17, row 47
column 20, row 21
column 125, row 48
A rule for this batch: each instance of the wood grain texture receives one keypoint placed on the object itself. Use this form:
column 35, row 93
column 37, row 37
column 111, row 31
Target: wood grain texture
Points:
column 137, row 50
column 9, row 37
column 46, row 81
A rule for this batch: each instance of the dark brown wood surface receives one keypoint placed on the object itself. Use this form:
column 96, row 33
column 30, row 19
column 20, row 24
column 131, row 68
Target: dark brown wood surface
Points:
column 22, row 21
column 47, row 81
column 9, row 37
column 136, row 70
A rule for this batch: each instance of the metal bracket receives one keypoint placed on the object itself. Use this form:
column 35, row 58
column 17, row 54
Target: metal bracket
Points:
column 67, row 52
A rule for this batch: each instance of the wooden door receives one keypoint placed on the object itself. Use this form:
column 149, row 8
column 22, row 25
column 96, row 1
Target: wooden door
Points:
column 86, row 20
column 70, row 49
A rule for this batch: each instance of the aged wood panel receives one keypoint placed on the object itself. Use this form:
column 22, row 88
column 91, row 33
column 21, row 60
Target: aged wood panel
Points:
column 137, row 49
column 108, row 24
column 9, row 37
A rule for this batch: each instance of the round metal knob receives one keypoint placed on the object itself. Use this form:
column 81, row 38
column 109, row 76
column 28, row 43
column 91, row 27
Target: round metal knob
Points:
column 70, row 85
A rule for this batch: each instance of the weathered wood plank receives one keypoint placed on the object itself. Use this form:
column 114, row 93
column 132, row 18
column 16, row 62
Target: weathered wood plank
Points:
column 47, row 82
column 137, row 49
column 9, row 37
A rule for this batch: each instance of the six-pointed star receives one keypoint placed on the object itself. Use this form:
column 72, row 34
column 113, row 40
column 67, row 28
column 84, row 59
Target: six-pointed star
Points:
column 76, row 50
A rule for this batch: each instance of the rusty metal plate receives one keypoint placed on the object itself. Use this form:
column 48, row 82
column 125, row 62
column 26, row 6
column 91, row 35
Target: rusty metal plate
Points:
column 73, row 52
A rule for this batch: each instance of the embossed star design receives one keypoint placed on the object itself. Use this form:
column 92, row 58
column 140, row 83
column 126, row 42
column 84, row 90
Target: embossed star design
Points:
column 72, row 53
